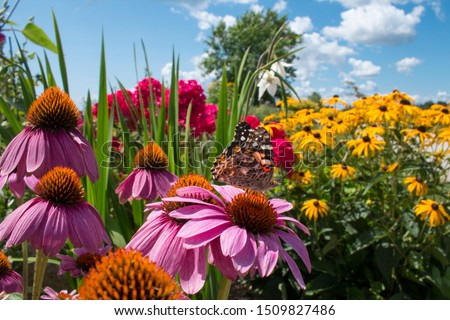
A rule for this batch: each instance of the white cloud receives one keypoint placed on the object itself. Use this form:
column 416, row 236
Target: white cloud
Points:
column 195, row 73
column 376, row 24
column 229, row 20
column 363, row 68
column 443, row 96
column 301, row 24
column 407, row 64
column 279, row 6
column 238, row 1
column 205, row 19
column 318, row 53
column 256, row 8
column 368, row 87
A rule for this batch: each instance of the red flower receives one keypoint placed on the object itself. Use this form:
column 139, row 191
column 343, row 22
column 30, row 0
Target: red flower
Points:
column 253, row 121
column 283, row 154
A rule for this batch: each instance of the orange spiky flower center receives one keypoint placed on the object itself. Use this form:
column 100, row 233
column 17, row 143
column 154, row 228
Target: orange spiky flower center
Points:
column 86, row 261
column 251, row 210
column 53, row 109
column 60, row 185
column 122, row 275
column 5, row 265
column 187, row 180
column 151, row 157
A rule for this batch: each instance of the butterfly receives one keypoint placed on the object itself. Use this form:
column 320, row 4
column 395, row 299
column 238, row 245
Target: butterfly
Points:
column 247, row 162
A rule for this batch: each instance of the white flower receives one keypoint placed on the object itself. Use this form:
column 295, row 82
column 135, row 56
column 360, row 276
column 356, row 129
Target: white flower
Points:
column 270, row 82
column 278, row 67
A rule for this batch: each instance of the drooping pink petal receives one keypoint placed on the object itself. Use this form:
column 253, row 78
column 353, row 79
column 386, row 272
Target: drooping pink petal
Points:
column 161, row 184
column 295, row 222
column 71, row 153
column 14, row 152
column 195, row 211
column 233, row 240
column 55, row 231
column 144, row 239
column 24, row 221
column 281, row 205
column 245, row 259
column 90, row 162
column 193, row 270
column 191, row 200
column 228, row 192
column 138, row 184
column 199, row 233
column 267, row 255
column 294, row 268
column 223, row 263
column 198, row 192
column 16, row 186
column 294, row 241
column 67, row 263
column 169, row 176
column 36, row 153
column 124, row 190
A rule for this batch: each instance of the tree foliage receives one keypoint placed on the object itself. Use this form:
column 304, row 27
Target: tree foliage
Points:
column 227, row 45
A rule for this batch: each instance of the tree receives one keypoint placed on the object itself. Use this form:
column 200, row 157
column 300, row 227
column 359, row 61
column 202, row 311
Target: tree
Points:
column 252, row 30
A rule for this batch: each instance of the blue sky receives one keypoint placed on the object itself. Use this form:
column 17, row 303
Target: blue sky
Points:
column 378, row 44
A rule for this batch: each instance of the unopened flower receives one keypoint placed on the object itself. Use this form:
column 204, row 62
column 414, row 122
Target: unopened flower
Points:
column 158, row 236
column 10, row 281
column 51, row 294
column 50, row 139
column 127, row 275
column 57, row 214
column 244, row 231
column 150, row 178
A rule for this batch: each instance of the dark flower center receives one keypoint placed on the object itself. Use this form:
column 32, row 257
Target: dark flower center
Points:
column 301, row 174
column 344, row 167
column 422, row 129
column 5, row 265
column 331, row 118
column 384, row 168
column 445, row 111
column 151, row 157
column 60, row 185
column 366, row 139
column 317, row 135
column 307, row 128
column 405, row 102
column 316, row 203
column 383, row 108
column 53, row 109
column 340, row 121
column 335, row 96
column 86, row 261
column 123, row 275
column 419, row 180
column 435, row 206
column 252, row 211
column 187, row 180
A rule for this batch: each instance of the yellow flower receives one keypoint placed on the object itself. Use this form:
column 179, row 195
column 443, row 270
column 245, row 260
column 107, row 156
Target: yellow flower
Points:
column 271, row 127
column 333, row 101
column 300, row 135
column 426, row 138
column 439, row 155
column 442, row 115
column 316, row 141
column 342, row 171
column 365, row 144
column 400, row 97
column 429, row 208
column 444, row 135
column 416, row 184
column 389, row 168
column 314, row 207
column 372, row 130
column 304, row 177
column 383, row 112
column 269, row 118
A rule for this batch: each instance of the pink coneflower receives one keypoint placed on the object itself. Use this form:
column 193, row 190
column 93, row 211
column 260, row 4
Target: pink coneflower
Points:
column 61, row 295
column 244, row 231
column 10, row 281
column 157, row 239
column 79, row 266
column 150, row 178
column 50, row 139
column 57, row 214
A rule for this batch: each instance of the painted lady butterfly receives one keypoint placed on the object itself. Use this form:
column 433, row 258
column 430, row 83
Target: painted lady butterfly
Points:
column 247, row 162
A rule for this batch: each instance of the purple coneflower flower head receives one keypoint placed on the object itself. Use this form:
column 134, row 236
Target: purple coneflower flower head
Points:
column 244, row 231
column 10, row 281
column 17, row 187
column 158, row 239
column 80, row 265
column 50, row 139
column 61, row 295
column 57, row 214
column 150, row 178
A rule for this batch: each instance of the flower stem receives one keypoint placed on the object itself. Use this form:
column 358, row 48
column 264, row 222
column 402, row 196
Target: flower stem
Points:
column 224, row 289
column 39, row 273
column 25, row 269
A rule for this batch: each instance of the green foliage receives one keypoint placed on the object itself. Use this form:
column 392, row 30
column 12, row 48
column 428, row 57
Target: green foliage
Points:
column 253, row 31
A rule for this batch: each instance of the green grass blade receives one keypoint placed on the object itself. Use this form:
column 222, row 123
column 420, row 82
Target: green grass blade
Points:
column 43, row 76
column 161, row 128
column 61, row 59
column 50, row 77
column 12, row 119
column 187, row 134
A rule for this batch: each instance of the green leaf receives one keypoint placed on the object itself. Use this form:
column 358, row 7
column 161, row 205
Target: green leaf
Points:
column 38, row 36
